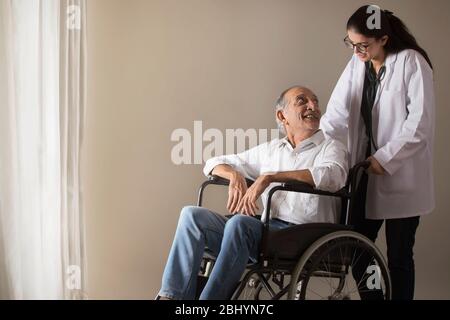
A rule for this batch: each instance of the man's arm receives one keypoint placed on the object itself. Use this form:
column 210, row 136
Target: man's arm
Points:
column 237, row 187
column 248, row 163
column 237, row 167
column 328, row 174
column 247, row 204
column 292, row 176
column 225, row 171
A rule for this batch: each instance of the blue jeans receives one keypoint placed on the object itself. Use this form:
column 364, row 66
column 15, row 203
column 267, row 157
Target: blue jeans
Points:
column 234, row 241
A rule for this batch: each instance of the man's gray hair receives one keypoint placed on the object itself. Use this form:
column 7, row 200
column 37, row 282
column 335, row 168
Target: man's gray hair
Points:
column 280, row 105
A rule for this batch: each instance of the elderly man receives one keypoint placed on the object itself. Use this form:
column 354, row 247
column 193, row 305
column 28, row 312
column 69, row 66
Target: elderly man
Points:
column 302, row 155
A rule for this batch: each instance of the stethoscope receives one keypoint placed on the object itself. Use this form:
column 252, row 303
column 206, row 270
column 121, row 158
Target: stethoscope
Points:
column 374, row 83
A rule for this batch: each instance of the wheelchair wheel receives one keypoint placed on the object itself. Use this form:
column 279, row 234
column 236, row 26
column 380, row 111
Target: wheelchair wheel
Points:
column 343, row 265
column 252, row 289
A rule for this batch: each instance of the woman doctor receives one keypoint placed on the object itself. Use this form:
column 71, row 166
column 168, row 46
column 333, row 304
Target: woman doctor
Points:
column 383, row 109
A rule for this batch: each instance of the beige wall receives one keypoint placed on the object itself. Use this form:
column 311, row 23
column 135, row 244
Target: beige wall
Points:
column 155, row 66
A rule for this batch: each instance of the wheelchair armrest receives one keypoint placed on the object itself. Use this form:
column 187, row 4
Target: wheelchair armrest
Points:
column 300, row 187
column 303, row 187
column 214, row 179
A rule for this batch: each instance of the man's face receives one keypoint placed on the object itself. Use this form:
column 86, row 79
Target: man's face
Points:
column 302, row 112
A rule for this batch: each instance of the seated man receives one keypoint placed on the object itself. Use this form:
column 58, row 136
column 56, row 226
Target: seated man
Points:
column 303, row 155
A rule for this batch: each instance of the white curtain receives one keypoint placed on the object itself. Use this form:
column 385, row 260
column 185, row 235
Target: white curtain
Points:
column 42, row 101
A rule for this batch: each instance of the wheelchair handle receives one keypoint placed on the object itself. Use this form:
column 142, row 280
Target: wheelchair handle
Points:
column 352, row 185
column 353, row 174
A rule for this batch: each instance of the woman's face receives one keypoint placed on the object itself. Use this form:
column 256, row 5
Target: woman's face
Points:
column 371, row 47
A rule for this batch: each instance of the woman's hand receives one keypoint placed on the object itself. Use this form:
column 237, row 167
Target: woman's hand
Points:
column 236, row 190
column 247, row 205
column 375, row 167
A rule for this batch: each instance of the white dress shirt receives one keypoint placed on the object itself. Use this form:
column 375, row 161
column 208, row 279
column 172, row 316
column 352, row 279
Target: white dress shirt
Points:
column 326, row 159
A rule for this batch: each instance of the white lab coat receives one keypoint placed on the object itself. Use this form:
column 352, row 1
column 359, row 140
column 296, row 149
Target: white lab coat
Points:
column 403, row 120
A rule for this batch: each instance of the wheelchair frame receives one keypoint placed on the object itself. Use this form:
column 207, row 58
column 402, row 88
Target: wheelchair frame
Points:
column 329, row 235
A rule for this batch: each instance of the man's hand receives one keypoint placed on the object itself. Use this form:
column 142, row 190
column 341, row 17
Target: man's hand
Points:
column 247, row 205
column 236, row 190
column 375, row 167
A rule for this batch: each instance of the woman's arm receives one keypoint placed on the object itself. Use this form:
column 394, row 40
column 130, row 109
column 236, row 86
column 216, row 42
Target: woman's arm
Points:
column 419, row 124
column 334, row 123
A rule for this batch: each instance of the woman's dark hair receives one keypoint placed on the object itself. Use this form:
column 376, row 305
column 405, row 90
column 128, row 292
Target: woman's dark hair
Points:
column 400, row 37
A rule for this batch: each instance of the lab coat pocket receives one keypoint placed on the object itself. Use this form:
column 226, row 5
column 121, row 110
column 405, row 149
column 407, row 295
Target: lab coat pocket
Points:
column 392, row 103
column 389, row 116
column 402, row 182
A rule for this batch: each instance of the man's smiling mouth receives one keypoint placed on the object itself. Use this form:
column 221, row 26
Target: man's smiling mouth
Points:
column 310, row 116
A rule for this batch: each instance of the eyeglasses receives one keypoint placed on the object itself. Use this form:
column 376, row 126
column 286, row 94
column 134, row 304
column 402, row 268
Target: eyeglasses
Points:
column 361, row 48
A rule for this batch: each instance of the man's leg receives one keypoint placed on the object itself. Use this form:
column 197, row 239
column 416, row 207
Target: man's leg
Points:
column 241, row 240
column 400, row 238
column 197, row 227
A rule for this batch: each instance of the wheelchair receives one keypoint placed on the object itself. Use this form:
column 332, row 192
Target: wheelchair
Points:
column 313, row 261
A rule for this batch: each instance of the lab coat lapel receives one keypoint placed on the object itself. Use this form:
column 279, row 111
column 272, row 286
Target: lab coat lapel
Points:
column 359, row 84
column 357, row 128
column 390, row 60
